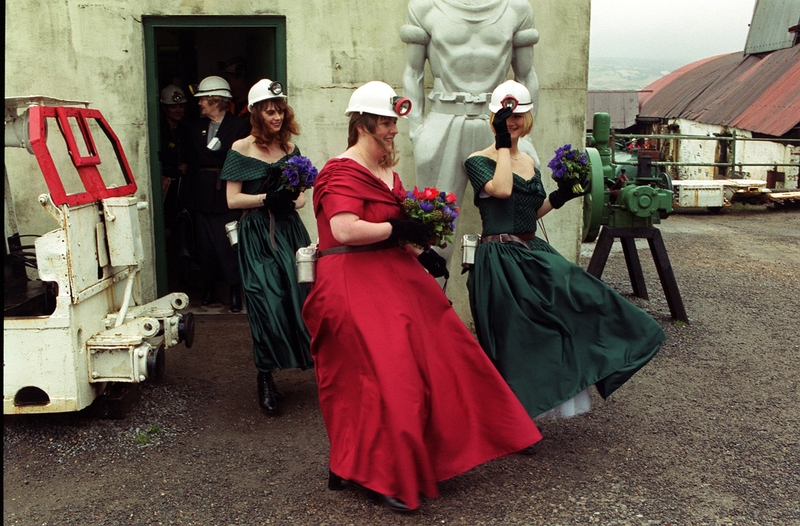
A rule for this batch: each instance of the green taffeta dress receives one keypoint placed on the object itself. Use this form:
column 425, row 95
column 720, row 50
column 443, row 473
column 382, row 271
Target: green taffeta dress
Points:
column 267, row 250
column 551, row 328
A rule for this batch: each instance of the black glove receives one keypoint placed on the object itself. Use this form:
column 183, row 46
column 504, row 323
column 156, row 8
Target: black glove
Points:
column 502, row 139
column 410, row 230
column 281, row 202
column 564, row 192
column 435, row 264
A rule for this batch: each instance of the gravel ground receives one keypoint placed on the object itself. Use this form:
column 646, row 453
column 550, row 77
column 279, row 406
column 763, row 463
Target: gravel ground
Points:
column 707, row 433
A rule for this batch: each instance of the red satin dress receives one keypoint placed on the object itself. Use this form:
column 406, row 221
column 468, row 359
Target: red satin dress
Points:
column 408, row 396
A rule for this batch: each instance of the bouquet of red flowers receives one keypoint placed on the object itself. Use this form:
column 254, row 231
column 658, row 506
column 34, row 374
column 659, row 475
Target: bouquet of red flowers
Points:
column 434, row 208
column 569, row 164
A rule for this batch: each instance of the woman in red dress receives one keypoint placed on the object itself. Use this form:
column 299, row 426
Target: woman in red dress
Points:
column 408, row 396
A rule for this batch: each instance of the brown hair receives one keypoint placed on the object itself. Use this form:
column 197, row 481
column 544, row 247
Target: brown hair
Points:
column 369, row 121
column 261, row 131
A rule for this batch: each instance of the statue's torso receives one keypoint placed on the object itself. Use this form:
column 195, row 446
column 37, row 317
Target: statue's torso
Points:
column 470, row 46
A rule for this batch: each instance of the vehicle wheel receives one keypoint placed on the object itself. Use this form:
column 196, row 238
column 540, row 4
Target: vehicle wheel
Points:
column 116, row 401
column 156, row 363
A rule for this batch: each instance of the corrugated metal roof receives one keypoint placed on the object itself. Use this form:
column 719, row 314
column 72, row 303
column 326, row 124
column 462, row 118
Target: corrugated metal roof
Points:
column 768, row 29
column 760, row 93
column 622, row 106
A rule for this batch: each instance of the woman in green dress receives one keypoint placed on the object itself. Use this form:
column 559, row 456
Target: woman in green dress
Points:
column 270, row 232
column 550, row 328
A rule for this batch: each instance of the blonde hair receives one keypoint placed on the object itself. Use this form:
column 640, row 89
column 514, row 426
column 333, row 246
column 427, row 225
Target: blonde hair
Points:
column 527, row 123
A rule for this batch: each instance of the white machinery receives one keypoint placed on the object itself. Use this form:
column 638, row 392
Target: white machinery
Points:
column 715, row 193
column 73, row 329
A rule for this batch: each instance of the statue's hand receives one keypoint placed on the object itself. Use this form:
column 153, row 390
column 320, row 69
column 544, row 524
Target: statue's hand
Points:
column 414, row 130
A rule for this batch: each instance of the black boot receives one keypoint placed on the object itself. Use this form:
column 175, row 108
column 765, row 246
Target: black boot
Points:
column 266, row 393
column 236, row 299
column 335, row 482
column 209, row 295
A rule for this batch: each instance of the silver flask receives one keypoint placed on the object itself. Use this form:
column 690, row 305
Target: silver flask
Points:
column 306, row 264
column 469, row 244
column 232, row 229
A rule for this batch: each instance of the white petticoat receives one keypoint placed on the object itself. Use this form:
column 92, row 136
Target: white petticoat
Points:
column 578, row 404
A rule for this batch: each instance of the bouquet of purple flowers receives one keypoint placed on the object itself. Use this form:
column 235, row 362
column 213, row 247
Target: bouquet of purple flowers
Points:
column 434, row 208
column 569, row 164
column 298, row 173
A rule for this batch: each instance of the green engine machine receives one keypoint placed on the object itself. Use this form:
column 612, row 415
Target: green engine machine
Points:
column 625, row 208
column 640, row 202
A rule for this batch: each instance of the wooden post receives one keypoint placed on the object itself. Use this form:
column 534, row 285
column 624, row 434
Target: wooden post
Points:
column 627, row 237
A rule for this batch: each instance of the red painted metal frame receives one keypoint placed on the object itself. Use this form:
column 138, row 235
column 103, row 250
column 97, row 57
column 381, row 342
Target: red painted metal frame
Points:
column 85, row 165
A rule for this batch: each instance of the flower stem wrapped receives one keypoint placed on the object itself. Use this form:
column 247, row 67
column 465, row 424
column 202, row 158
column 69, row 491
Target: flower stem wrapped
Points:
column 571, row 166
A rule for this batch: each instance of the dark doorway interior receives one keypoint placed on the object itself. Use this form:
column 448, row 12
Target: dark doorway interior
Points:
column 242, row 55
column 182, row 51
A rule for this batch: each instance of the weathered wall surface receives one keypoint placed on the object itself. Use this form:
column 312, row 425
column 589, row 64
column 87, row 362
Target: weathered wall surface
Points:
column 756, row 152
column 94, row 51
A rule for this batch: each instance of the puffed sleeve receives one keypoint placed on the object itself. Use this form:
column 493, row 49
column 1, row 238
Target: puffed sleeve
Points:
column 480, row 171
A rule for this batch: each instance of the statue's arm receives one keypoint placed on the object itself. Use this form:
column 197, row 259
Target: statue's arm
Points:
column 523, row 41
column 416, row 40
column 525, row 74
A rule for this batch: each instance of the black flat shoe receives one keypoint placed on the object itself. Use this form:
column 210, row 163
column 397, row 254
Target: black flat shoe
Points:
column 530, row 450
column 336, row 483
column 266, row 393
column 393, row 504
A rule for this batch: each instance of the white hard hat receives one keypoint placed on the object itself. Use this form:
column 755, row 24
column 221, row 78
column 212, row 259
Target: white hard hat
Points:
column 213, row 85
column 378, row 98
column 172, row 94
column 513, row 95
column 262, row 90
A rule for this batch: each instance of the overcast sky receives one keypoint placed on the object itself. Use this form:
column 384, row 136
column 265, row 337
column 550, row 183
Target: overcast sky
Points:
column 674, row 30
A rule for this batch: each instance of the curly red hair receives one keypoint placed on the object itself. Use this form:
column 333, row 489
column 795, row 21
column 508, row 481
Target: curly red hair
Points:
column 263, row 135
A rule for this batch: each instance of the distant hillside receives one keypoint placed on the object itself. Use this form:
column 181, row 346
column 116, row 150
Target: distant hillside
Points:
column 626, row 74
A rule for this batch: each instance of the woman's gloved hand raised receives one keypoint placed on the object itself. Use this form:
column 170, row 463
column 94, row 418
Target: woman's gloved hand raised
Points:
column 413, row 231
column 502, row 139
column 565, row 191
column 282, row 201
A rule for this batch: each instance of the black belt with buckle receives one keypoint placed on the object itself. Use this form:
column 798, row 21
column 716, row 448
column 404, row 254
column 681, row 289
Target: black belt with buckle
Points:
column 344, row 249
column 509, row 238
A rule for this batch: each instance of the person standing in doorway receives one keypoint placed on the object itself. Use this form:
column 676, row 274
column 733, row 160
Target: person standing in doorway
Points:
column 211, row 139
column 174, row 140
column 235, row 72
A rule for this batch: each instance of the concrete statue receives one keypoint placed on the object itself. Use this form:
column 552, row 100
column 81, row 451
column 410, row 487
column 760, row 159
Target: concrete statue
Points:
column 470, row 46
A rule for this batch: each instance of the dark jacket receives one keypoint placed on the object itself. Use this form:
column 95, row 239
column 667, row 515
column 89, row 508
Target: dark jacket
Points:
column 202, row 189
column 174, row 142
